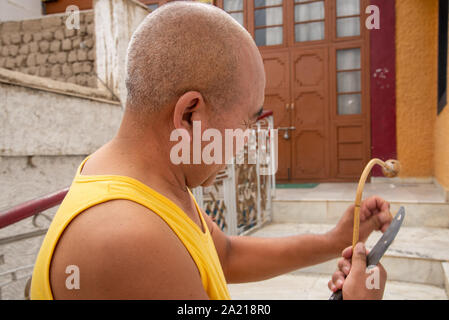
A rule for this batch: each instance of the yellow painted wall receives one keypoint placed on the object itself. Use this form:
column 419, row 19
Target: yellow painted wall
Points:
column 416, row 85
column 442, row 148
column 442, row 144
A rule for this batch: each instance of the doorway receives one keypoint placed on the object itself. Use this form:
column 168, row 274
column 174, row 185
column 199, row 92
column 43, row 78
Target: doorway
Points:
column 316, row 58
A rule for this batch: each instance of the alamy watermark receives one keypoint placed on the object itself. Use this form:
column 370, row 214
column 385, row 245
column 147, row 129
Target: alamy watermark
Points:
column 261, row 147
column 72, row 282
column 373, row 280
column 73, row 17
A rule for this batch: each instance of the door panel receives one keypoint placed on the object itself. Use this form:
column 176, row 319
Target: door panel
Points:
column 277, row 99
column 309, row 91
column 349, row 110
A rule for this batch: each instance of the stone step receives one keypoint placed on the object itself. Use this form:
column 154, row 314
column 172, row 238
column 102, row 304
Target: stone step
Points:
column 425, row 204
column 418, row 255
column 314, row 287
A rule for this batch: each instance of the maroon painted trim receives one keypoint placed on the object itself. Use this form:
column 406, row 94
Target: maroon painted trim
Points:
column 265, row 114
column 32, row 207
column 383, row 84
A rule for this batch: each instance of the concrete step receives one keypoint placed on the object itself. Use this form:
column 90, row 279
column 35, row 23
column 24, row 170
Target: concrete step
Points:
column 314, row 287
column 425, row 204
column 418, row 255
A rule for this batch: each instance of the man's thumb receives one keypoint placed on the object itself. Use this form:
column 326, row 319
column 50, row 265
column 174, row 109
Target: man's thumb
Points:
column 359, row 258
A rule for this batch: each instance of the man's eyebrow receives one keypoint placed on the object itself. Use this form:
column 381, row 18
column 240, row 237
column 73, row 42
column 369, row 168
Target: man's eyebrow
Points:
column 258, row 113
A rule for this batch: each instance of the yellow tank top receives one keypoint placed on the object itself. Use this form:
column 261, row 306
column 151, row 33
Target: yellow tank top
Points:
column 87, row 191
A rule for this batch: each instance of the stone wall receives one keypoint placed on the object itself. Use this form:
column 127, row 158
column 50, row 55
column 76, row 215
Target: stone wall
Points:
column 45, row 47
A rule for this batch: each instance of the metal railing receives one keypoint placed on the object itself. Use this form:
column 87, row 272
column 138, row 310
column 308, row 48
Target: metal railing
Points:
column 239, row 202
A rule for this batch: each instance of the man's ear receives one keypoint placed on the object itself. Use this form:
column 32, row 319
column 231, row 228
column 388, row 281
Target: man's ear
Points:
column 186, row 106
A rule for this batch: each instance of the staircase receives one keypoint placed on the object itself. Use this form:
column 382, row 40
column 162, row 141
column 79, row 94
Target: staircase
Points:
column 417, row 262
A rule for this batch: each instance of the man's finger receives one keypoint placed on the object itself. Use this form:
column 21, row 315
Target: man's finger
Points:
column 347, row 253
column 331, row 286
column 338, row 278
column 359, row 258
column 344, row 265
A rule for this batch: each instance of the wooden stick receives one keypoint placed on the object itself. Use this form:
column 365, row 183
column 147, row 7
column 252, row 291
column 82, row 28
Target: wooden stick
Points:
column 390, row 168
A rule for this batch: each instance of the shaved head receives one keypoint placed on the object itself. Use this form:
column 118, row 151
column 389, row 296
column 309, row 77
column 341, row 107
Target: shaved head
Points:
column 181, row 47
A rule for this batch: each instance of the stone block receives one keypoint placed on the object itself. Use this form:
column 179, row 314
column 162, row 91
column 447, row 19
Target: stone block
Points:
column 27, row 37
column 55, row 46
column 81, row 79
column 77, row 68
column 92, row 82
column 91, row 55
column 44, row 45
column 87, row 67
column 89, row 43
column 82, row 31
column 51, row 21
column 66, row 44
column 61, row 57
column 32, row 70
column 69, row 32
column 37, row 36
column 72, row 56
column 11, row 26
column 13, row 50
column 33, row 46
column 31, row 25
column 20, row 60
column 47, row 35
column 2, row 62
column 6, row 39
column 43, row 71
column 67, row 70
column 89, row 17
column 15, row 38
column 41, row 59
column 24, row 49
column 5, row 51
column 31, row 60
column 10, row 63
column 76, row 43
column 52, row 58
column 59, row 34
column 55, row 71
column 90, row 28
column 81, row 55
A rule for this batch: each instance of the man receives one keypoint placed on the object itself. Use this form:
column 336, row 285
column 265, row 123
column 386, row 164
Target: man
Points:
column 129, row 227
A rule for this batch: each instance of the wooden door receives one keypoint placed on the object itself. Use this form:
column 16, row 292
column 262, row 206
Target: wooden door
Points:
column 316, row 65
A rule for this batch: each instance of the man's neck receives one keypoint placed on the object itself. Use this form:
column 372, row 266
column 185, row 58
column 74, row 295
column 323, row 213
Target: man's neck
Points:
column 150, row 162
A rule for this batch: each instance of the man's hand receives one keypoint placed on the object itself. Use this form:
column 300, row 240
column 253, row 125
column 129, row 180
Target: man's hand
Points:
column 351, row 277
column 374, row 215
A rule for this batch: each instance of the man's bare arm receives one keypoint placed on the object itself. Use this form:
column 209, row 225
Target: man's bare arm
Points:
column 246, row 259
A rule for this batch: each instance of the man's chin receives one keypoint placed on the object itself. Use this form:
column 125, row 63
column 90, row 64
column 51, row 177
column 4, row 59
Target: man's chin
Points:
column 210, row 181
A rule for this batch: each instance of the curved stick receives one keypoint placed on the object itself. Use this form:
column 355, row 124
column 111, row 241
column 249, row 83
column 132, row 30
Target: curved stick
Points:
column 390, row 168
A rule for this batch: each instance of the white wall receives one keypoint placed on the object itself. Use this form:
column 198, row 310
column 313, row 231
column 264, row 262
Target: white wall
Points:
column 20, row 9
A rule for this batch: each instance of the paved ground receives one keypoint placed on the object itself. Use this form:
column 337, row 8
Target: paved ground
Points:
column 314, row 287
column 430, row 247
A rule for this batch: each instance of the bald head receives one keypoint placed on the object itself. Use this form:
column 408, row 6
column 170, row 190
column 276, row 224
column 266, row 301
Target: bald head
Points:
column 181, row 47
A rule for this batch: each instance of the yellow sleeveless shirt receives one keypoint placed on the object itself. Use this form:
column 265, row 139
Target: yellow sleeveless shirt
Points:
column 87, row 191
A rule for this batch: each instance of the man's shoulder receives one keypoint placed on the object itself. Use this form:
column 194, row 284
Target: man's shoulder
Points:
column 117, row 243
